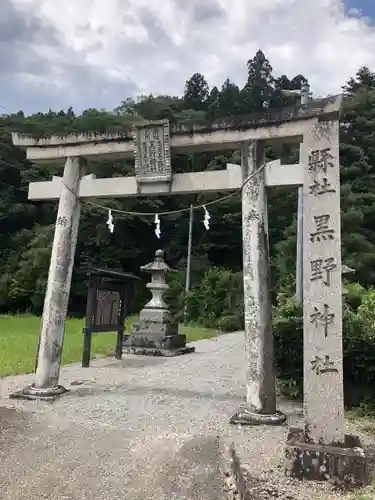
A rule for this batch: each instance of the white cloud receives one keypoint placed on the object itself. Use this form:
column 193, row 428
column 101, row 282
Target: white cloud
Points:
column 158, row 44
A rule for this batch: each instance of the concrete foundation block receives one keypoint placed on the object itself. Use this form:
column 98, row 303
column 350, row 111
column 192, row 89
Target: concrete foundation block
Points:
column 344, row 465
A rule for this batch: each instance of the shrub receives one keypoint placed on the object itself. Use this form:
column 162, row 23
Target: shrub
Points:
column 366, row 312
column 217, row 300
column 175, row 295
column 354, row 293
column 358, row 347
column 288, row 335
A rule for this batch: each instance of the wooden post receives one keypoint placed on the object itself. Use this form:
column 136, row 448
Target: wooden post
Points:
column 121, row 329
column 86, row 354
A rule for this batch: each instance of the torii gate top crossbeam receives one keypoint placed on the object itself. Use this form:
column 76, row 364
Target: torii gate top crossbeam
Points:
column 269, row 125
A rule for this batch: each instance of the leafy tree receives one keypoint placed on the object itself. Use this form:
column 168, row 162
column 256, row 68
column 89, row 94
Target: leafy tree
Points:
column 363, row 79
column 196, row 92
column 229, row 99
column 259, row 88
column 213, row 103
column 26, row 227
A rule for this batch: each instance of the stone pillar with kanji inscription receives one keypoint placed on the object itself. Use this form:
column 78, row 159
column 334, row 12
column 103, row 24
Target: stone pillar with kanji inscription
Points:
column 46, row 384
column 321, row 450
column 322, row 306
column 260, row 373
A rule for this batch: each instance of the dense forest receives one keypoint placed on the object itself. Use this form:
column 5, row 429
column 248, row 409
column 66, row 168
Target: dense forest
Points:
column 26, row 228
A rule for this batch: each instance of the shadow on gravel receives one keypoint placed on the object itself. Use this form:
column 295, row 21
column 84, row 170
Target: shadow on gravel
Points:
column 13, row 424
column 193, row 472
column 136, row 362
column 137, row 390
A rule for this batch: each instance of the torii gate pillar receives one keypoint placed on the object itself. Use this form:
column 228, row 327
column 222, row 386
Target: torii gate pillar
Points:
column 56, row 300
column 260, row 376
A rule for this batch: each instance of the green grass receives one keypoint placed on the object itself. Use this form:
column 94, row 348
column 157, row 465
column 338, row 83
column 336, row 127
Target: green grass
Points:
column 365, row 493
column 19, row 340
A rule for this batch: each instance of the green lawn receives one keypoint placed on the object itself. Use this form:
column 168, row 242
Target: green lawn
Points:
column 19, row 339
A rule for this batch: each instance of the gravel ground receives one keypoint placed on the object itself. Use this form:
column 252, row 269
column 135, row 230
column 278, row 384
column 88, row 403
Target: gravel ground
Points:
column 143, row 428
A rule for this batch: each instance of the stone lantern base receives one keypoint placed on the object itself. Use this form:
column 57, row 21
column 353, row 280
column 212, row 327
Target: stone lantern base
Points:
column 156, row 339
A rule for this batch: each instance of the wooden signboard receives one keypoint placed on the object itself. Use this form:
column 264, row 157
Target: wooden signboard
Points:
column 107, row 301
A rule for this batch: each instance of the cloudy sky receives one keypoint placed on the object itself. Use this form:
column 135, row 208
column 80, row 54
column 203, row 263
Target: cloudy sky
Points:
column 95, row 53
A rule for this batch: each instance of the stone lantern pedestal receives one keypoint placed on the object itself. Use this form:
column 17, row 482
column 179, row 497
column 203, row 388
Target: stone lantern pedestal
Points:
column 155, row 334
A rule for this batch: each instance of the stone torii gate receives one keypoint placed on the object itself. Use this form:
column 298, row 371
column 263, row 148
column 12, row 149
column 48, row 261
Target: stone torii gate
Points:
column 156, row 178
column 315, row 128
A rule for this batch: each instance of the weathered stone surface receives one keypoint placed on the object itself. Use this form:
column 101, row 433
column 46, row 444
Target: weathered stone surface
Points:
column 344, row 464
column 152, row 152
column 322, row 305
column 158, row 337
column 315, row 108
column 321, row 451
column 44, row 394
column 158, row 351
column 156, row 334
column 158, row 329
column 212, row 181
column 246, row 417
column 58, row 288
column 151, row 315
column 260, row 377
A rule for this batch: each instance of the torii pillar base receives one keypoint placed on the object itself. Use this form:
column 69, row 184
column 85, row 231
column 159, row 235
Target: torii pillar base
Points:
column 32, row 392
column 246, row 417
column 344, row 465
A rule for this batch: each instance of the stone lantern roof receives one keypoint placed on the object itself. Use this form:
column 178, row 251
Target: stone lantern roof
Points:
column 158, row 265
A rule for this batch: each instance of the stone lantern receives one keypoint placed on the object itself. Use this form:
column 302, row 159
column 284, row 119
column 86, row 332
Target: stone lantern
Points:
column 156, row 334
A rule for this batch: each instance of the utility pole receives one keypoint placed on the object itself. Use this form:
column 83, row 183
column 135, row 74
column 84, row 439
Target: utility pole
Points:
column 190, row 245
column 305, row 97
column 188, row 263
column 190, row 242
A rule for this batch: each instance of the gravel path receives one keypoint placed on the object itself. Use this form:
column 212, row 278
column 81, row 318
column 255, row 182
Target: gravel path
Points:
column 142, row 428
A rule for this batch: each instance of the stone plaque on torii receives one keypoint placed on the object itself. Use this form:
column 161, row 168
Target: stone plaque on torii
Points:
column 315, row 125
column 152, row 152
